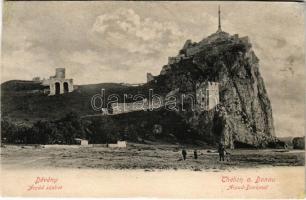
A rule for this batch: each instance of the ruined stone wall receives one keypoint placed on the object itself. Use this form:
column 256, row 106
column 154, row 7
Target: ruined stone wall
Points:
column 150, row 77
column 193, row 50
column 119, row 108
column 144, row 105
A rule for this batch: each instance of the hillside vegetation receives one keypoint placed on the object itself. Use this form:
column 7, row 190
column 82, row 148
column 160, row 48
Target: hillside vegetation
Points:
column 18, row 104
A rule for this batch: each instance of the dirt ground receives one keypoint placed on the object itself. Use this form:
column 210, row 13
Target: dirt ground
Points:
column 138, row 156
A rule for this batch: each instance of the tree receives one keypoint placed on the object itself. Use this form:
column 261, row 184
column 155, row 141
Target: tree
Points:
column 103, row 130
column 71, row 127
column 41, row 133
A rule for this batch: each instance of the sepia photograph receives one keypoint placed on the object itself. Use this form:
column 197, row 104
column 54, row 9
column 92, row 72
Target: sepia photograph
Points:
column 165, row 99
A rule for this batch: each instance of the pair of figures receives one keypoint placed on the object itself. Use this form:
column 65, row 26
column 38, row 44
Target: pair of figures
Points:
column 184, row 153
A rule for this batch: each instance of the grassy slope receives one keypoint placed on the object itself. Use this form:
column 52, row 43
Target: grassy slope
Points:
column 21, row 106
column 17, row 103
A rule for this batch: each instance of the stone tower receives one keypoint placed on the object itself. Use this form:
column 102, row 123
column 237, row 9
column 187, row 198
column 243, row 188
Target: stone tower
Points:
column 60, row 72
column 207, row 94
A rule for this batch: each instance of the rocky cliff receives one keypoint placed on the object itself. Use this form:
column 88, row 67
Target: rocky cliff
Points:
column 243, row 117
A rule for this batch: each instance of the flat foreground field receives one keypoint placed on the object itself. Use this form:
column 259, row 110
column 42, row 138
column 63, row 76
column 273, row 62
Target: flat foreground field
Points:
column 139, row 156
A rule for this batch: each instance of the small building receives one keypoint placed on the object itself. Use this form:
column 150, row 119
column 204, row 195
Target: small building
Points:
column 79, row 141
column 36, row 79
column 120, row 144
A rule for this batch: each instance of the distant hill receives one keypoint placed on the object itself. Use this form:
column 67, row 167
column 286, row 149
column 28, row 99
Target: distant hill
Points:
column 20, row 86
column 21, row 100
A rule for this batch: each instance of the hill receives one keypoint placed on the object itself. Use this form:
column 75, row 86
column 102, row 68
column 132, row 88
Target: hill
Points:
column 242, row 118
column 25, row 100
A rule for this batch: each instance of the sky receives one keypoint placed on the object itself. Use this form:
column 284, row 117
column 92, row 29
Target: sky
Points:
column 122, row 41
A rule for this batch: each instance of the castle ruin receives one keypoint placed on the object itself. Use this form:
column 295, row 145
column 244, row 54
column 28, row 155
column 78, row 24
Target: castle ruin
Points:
column 190, row 48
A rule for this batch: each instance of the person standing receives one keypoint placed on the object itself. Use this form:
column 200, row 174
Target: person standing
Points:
column 221, row 151
column 184, row 153
column 195, row 154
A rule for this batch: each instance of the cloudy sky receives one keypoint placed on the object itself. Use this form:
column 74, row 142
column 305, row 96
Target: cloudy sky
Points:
column 122, row 41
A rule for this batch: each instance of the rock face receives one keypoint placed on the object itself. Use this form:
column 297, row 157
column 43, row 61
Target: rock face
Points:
column 243, row 117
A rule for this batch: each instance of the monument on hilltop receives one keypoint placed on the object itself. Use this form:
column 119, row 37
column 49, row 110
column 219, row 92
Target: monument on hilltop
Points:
column 59, row 84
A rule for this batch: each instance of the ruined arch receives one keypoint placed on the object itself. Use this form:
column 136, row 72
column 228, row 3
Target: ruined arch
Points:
column 57, row 88
column 66, row 87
